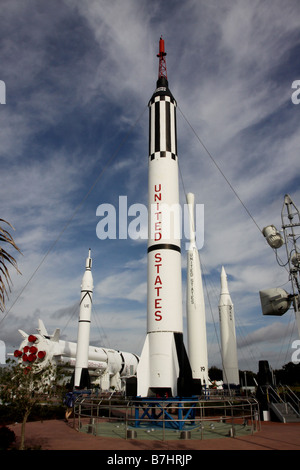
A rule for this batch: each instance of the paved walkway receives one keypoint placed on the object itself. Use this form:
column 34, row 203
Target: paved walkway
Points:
column 58, row 435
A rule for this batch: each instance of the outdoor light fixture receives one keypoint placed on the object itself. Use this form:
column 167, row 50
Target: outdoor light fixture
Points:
column 273, row 237
column 295, row 259
column 277, row 301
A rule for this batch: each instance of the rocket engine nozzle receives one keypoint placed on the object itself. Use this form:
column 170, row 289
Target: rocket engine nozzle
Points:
column 32, row 338
column 30, row 353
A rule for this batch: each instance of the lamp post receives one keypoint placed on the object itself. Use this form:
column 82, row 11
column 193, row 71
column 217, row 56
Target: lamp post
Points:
column 290, row 218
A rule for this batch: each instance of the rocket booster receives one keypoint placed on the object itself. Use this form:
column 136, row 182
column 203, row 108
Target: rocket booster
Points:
column 196, row 321
column 81, row 376
column 228, row 336
column 107, row 367
column 164, row 367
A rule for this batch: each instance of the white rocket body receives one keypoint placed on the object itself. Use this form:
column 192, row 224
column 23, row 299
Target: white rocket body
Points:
column 107, row 367
column 163, row 368
column 228, row 335
column 196, row 320
column 81, row 376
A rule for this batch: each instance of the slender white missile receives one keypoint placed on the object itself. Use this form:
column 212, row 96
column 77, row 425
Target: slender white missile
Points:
column 196, row 321
column 81, row 376
column 164, row 367
column 228, row 335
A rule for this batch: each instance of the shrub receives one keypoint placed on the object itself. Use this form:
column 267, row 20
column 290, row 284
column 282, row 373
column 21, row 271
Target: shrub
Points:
column 7, row 437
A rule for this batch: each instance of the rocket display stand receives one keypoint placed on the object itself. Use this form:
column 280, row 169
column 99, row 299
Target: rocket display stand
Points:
column 159, row 412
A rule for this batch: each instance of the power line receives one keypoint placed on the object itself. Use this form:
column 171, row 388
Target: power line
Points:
column 217, row 166
column 240, row 200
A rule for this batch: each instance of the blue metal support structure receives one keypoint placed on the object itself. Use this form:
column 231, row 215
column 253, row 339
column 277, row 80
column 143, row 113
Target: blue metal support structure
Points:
column 160, row 412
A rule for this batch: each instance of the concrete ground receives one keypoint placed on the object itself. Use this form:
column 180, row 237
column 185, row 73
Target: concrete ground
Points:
column 59, row 435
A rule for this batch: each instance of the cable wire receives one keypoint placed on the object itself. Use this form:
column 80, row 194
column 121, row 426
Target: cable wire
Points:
column 108, row 163
column 217, row 166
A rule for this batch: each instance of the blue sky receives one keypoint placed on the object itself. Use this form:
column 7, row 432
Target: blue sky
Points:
column 74, row 135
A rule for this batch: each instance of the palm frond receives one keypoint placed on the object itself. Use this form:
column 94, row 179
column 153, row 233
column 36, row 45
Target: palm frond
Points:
column 6, row 258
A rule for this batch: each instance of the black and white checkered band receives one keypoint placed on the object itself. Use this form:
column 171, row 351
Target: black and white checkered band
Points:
column 156, row 155
column 162, row 127
column 162, row 97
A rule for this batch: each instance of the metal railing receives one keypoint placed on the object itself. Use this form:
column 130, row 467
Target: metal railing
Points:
column 164, row 418
column 289, row 395
column 283, row 401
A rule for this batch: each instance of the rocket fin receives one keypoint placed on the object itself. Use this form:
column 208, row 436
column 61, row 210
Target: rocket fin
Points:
column 81, row 379
column 43, row 332
column 164, row 367
column 42, row 329
column 22, row 333
column 158, row 368
column 143, row 370
column 186, row 385
column 56, row 335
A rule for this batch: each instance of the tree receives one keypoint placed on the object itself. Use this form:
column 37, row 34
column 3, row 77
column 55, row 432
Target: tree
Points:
column 289, row 374
column 247, row 377
column 215, row 373
column 23, row 387
column 5, row 258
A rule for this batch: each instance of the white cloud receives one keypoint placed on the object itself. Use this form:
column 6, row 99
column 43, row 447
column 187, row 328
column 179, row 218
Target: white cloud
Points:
column 78, row 76
column 127, row 284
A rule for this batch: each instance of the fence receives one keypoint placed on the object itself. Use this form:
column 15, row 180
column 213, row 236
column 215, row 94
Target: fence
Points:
column 166, row 419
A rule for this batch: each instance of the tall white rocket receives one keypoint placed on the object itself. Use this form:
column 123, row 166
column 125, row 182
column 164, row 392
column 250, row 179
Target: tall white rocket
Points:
column 195, row 303
column 81, row 376
column 164, row 367
column 228, row 335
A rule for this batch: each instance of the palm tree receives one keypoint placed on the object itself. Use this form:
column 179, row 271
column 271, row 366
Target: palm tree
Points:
column 5, row 258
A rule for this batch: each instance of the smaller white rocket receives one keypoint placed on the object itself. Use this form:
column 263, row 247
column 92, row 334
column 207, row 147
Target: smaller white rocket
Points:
column 196, row 321
column 228, row 336
column 81, row 376
column 108, row 368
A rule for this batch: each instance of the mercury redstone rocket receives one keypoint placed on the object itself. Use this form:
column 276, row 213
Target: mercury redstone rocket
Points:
column 81, row 375
column 164, row 368
column 228, row 336
column 195, row 305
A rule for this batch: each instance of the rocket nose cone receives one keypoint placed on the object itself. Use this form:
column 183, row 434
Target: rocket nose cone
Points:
column 88, row 262
column 190, row 198
column 224, row 285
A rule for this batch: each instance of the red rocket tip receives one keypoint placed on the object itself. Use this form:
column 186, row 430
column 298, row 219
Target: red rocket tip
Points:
column 162, row 51
column 162, row 71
